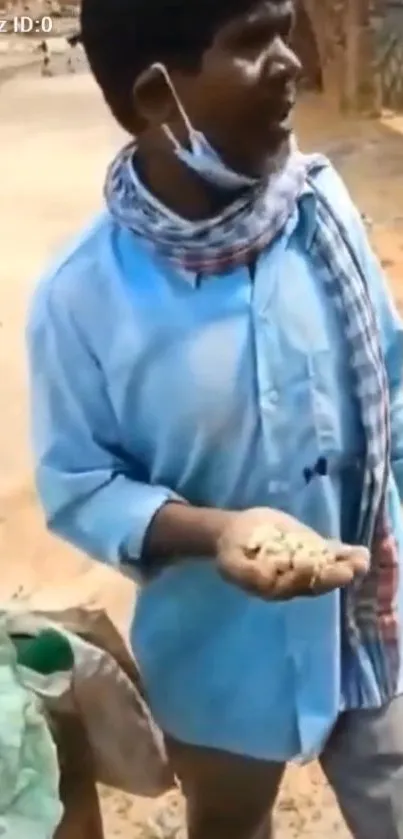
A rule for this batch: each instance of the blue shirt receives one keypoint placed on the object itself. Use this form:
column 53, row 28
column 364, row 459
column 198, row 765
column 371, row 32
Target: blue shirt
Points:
column 149, row 384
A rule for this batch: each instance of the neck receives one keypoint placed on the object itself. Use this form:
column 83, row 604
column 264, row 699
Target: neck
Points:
column 176, row 186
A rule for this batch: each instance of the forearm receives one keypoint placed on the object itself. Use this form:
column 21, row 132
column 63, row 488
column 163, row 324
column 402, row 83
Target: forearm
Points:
column 179, row 530
column 103, row 514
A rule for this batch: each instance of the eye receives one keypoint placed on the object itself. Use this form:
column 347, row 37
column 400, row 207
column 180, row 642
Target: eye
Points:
column 252, row 37
column 257, row 35
column 286, row 28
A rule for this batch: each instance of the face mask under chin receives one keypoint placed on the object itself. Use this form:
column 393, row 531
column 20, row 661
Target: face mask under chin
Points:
column 203, row 159
column 200, row 156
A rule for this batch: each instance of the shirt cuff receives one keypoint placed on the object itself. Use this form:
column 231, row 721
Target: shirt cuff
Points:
column 153, row 501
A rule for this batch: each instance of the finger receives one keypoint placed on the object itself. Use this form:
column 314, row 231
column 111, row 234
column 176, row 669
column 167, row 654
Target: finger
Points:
column 286, row 587
column 333, row 577
column 293, row 584
column 249, row 574
column 358, row 554
column 263, row 579
column 309, row 584
column 260, row 576
column 359, row 560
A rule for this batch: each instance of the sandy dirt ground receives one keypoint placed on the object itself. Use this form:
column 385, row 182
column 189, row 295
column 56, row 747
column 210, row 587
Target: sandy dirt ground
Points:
column 56, row 138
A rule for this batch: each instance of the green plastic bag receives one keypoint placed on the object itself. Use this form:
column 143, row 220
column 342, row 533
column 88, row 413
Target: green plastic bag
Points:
column 30, row 806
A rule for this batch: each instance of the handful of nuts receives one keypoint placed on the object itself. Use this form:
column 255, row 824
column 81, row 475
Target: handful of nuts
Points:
column 281, row 551
column 274, row 556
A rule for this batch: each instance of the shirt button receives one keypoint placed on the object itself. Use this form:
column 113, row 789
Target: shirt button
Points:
column 273, row 397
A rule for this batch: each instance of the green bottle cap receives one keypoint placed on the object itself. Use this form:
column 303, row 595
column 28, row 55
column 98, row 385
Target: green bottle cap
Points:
column 46, row 653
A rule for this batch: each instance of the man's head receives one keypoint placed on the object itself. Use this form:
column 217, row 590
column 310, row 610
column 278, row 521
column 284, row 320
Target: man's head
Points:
column 229, row 62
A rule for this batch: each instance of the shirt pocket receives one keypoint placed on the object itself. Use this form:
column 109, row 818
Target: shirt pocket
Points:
column 335, row 408
column 315, row 427
column 290, row 414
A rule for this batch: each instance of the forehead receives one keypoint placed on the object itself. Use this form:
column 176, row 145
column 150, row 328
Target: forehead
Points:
column 265, row 11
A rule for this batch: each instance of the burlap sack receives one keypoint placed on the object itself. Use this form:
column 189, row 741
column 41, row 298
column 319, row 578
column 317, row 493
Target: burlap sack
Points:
column 78, row 791
column 103, row 697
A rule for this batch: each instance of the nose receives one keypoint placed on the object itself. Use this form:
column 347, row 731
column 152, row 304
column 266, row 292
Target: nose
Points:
column 282, row 62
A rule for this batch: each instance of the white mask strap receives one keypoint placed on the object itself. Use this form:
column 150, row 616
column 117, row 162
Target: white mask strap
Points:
column 162, row 69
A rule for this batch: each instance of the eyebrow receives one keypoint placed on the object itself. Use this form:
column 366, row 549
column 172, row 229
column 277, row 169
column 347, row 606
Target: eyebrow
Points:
column 274, row 8
column 270, row 11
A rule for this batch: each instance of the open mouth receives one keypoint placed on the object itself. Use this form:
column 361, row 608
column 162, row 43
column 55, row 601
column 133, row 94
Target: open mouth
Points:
column 281, row 119
column 284, row 114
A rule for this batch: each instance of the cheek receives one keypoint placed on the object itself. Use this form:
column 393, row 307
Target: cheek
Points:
column 230, row 78
column 248, row 71
column 229, row 95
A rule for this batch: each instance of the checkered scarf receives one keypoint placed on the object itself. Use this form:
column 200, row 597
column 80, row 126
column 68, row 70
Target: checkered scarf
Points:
column 370, row 626
column 370, row 610
column 247, row 226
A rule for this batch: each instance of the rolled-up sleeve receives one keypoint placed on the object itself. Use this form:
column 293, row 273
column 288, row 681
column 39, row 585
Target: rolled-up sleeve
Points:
column 93, row 495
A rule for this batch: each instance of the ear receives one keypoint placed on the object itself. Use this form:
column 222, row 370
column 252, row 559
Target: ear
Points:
column 153, row 100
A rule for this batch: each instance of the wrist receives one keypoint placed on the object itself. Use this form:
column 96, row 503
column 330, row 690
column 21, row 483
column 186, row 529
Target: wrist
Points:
column 180, row 530
column 216, row 523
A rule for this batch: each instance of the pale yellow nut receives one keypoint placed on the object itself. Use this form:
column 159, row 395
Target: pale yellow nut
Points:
column 285, row 551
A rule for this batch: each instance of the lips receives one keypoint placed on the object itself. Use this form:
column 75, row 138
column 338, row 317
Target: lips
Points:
column 274, row 118
column 280, row 120
column 283, row 111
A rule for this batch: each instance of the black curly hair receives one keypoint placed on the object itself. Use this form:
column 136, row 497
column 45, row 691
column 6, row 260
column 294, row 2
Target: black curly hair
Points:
column 123, row 37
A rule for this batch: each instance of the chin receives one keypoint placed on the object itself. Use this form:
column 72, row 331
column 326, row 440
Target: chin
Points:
column 277, row 156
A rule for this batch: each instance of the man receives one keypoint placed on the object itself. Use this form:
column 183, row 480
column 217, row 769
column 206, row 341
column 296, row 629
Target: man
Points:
column 73, row 41
column 218, row 353
column 44, row 48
